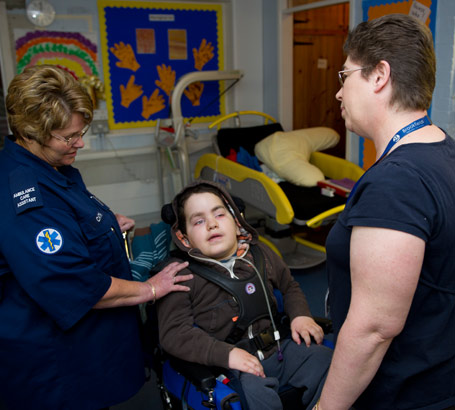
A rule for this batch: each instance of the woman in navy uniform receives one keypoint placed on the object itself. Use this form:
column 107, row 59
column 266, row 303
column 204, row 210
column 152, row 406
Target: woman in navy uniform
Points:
column 68, row 317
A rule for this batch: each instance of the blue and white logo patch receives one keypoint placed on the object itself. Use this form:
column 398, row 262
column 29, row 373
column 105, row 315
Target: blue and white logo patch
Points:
column 250, row 288
column 49, row 241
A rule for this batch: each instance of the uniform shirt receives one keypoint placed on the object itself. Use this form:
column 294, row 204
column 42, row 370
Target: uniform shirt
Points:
column 59, row 248
column 411, row 190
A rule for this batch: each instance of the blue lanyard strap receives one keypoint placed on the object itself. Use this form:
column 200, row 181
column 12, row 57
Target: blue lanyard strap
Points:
column 413, row 126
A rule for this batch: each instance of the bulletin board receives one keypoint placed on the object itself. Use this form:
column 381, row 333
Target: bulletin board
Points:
column 425, row 10
column 147, row 47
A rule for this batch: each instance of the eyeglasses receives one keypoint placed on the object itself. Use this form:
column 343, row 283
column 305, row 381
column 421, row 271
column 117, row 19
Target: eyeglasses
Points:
column 342, row 74
column 73, row 138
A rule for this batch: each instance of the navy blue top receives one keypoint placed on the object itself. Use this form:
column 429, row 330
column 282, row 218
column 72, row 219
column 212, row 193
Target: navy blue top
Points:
column 59, row 248
column 411, row 190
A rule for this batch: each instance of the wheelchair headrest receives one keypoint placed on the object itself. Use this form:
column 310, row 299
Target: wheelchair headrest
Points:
column 168, row 214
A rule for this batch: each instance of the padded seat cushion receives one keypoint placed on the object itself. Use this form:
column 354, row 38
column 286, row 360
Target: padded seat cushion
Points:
column 247, row 137
column 288, row 153
column 308, row 202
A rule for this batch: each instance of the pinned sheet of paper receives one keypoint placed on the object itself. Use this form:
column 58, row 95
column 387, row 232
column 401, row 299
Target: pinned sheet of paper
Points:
column 322, row 63
column 419, row 11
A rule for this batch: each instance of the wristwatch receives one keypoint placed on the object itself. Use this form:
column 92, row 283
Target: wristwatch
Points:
column 40, row 13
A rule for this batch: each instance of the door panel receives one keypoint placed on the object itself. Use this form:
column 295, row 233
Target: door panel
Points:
column 319, row 35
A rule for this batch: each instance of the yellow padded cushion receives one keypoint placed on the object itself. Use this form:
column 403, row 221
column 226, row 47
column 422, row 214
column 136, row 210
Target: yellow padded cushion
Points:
column 288, row 153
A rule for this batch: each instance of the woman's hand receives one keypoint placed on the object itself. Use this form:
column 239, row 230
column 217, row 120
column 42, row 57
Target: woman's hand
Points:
column 167, row 280
column 240, row 359
column 124, row 222
column 304, row 327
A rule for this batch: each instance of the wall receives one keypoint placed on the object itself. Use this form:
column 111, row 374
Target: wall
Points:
column 443, row 109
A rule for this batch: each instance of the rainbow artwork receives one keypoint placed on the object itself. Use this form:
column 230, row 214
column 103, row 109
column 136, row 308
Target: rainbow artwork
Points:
column 71, row 51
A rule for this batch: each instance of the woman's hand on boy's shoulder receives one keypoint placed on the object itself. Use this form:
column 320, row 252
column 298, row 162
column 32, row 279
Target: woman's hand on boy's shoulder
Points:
column 168, row 280
column 303, row 328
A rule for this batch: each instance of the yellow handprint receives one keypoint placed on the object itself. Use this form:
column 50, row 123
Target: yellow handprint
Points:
column 194, row 92
column 203, row 55
column 130, row 93
column 167, row 78
column 153, row 104
column 126, row 56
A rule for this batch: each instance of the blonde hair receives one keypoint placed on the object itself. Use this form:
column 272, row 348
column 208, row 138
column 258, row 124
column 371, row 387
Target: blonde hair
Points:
column 43, row 98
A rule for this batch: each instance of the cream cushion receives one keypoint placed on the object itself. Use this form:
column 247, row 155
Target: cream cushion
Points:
column 288, row 153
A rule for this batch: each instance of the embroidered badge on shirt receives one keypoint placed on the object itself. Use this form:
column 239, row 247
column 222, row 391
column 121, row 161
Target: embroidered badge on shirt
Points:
column 49, row 241
column 27, row 198
column 250, row 288
column 24, row 189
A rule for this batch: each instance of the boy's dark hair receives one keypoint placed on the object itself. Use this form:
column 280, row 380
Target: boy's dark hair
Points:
column 181, row 199
column 407, row 45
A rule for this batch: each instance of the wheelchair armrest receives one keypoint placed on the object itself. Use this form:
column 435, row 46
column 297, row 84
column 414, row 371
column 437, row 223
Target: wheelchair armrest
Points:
column 202, row 377
column 325, row 323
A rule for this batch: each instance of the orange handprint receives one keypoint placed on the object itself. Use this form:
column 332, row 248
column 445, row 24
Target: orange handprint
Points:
column 194, row 92
column 167, row 78
column 130, row 93
column 126, row 56
column 203, row 55
column 153, row 104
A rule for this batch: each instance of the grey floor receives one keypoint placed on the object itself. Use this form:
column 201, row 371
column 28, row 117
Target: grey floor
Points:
column 148, row 398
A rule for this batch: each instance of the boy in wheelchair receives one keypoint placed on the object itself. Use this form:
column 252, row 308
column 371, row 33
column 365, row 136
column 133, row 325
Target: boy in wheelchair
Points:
column 229, row 318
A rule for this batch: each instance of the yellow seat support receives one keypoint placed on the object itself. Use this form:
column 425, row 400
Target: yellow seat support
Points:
column 284, row 212
column 218, row 122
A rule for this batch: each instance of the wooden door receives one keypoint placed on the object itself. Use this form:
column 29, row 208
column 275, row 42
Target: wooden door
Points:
column 319, row 35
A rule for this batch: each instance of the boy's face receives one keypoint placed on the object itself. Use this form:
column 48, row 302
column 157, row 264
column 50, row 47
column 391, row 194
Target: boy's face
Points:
column 210, row 227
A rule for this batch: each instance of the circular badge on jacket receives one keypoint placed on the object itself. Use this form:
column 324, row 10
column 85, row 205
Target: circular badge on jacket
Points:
column 250, row 288
column 49, row 240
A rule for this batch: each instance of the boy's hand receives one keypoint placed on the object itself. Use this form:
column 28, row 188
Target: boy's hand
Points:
column 304, row 327
column 240, row 359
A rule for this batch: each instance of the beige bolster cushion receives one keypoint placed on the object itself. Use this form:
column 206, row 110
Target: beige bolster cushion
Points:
column 288, row 153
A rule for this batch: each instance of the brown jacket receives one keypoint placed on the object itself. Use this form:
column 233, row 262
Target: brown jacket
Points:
column 193, row 325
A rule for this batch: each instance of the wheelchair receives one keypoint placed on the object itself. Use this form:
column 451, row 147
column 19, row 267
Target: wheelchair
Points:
column 181, row 384
column 185, row 385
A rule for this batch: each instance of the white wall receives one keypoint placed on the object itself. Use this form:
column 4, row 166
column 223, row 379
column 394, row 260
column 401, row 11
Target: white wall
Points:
column 443, row 108
column 247, row 53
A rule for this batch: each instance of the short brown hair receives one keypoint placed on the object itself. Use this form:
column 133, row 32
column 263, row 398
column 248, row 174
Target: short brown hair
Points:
column 43, row 98
column 407, row 45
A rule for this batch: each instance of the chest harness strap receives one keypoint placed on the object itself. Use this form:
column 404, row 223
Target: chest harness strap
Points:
column 249, row 294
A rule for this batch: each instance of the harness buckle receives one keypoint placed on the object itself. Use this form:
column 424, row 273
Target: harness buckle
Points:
column 264, row 340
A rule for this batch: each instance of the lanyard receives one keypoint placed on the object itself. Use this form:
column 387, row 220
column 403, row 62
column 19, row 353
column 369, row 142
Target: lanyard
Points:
column 413, row 126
